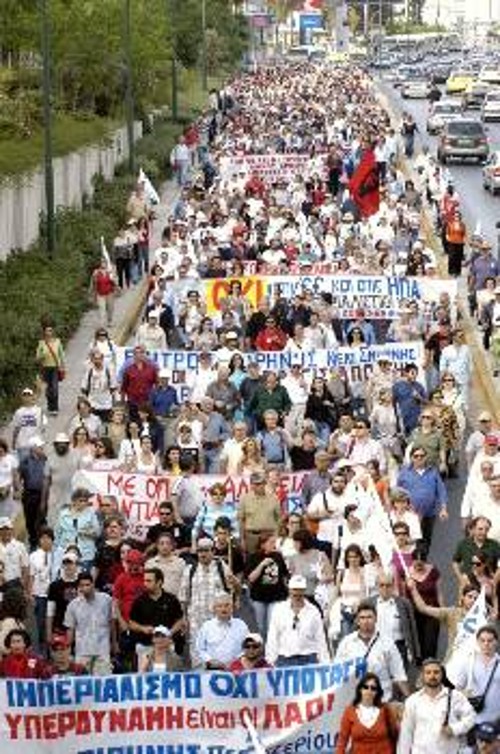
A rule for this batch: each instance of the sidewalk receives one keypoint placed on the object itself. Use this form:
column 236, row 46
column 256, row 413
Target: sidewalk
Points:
column 128, row 308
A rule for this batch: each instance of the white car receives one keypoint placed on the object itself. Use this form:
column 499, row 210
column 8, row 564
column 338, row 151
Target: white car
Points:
column 490, row 75
column 490, row 109
column 491, row 173
column 441, row 112
column 415, row 89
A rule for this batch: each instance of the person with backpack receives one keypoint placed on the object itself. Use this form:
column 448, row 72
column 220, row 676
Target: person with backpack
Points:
column 99, row 385
column 201, row 583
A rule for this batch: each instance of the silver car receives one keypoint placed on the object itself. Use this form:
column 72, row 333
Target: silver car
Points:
column 490, row 109
column 491, row 173
column 441, row 112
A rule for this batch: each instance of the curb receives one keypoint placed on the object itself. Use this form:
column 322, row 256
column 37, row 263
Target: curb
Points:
column 132, row 315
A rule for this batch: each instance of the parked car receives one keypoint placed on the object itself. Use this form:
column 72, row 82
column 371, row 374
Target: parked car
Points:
column 491, row 173
column 490, row 74
column 415, row 89
column 463, row 138
column 490, row 109
column 441, row 112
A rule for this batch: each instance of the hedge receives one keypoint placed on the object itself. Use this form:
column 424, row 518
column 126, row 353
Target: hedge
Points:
column 34, row 287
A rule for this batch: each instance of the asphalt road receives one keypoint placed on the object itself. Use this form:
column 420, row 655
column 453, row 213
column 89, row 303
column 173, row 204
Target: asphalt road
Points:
column 477, row 205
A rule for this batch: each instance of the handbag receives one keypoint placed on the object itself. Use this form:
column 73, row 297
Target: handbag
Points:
column 61, row 372
column 477, row 702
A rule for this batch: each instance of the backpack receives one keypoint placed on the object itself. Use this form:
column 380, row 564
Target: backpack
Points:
column 220, row 571
column 86, row 390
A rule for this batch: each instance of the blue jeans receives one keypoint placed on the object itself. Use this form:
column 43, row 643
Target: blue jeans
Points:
column 263, row 612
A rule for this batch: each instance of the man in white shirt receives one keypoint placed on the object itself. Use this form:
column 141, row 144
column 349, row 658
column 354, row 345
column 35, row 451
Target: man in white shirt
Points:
column 435, row 716
column 479, row 674
column 297, row 386
column 219, row 640
column 151, row 335
column 475, row 441
column 328, row 509
column 381, row 654
column 28, row 421
column 14, row 556
column 296, row 634
column 232, row 450
column 169, row 563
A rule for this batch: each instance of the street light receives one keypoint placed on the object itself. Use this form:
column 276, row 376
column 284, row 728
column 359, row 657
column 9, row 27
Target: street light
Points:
column 204, row 72
column 129, row 85
column 47, row 125
column 172, row 15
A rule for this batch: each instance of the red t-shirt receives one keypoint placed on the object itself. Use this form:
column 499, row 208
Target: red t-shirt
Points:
column 270, row 339
column 103, row 282
column 126, row 589
column 237, row 666
column 26, row 665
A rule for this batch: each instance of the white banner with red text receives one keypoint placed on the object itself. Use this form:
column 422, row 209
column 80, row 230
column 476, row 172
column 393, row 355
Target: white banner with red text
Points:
column 296, row 709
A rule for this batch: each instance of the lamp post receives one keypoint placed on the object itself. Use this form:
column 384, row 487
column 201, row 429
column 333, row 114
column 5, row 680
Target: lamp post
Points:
column 204, row 72
column 47, row 125
column 129, row 85
column 171, row 14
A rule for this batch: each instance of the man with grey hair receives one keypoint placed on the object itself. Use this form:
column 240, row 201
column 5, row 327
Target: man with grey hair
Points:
column 396, row 619
column 232, row 450
column 99, row 385
column 274, row 441
column 218, row 642
column 214, row 433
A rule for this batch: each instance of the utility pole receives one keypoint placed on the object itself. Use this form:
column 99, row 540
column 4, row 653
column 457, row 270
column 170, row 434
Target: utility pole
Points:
column 172, row 15
column 129, row 86
column 47, row 126
column 204, row 71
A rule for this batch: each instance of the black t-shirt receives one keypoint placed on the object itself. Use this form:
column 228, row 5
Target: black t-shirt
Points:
column 108, row 564
column 165, row 611
column 302, row 460
column 271, row 586
column 61, row 592
column 179, row 532
column 237, row 559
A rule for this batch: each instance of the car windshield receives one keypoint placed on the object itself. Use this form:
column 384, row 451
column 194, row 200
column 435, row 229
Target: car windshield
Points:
column 464, row 128
column 448, row 108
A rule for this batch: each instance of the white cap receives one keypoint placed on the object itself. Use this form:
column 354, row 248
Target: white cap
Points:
column 162, row 630
column 164, row 374
column 36, row 442
column 297, row 582
column 61, row 437
column 5, row 523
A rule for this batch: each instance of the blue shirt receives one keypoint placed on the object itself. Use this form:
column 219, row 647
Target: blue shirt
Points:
column 162, row 399
column 427, row 491
column 408, row 405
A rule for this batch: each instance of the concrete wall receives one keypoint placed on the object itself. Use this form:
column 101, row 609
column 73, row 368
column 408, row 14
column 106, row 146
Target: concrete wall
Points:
column 22, row 198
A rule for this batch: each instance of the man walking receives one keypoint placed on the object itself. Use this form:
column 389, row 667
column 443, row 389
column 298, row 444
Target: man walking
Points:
column 435, row 716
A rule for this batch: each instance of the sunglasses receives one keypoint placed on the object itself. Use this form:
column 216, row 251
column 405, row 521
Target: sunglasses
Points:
column 476, row 563
column 295, row 623
column 370, row 687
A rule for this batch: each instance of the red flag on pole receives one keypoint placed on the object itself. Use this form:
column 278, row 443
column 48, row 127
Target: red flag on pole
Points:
column 364, row 185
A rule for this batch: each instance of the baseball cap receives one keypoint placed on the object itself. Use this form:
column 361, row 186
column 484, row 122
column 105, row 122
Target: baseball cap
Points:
column 162, row 630
column 491, row 440
column 134, row 556
column 164, row 374
column 36, row 442
column 231, row 335
column 27, row 391
column 205, row 543
column 487, row 731
column 257, row 477
column 59, row 641
column 5, row 523
column 61, row 438
column 252, row 639
column 297, row 582
column 484, row 416
column 72, row 556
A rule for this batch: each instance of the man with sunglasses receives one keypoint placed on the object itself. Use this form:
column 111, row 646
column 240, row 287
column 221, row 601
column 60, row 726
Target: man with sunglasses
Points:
column 169, row 524
column 252, row 656
column 435, row 716
column 60, row 593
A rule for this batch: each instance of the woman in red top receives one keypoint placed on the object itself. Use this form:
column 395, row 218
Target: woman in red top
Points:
column 20, row 662
column 367, row 726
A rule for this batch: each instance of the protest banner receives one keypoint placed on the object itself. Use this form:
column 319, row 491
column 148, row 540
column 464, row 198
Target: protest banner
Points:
column 252, row 288
column 273, row 167
column 356, row 363
column 289, row 709
column 139, row 495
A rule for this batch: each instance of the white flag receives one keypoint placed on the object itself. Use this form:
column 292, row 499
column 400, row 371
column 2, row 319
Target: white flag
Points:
column 149, row 190
column 105, row 254
column 465, row 640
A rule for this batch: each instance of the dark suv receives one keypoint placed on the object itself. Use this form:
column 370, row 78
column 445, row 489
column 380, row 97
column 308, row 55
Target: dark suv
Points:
column 463, row 138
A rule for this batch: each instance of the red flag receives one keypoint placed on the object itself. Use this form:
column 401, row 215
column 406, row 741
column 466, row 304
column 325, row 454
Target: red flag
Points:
column 364, row 185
